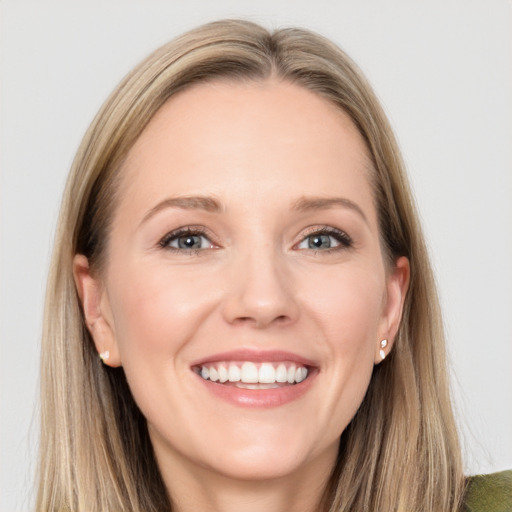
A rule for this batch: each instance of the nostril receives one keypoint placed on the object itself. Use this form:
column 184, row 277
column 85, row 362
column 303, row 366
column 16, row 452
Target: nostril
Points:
column 262, row 320
column 244, row 320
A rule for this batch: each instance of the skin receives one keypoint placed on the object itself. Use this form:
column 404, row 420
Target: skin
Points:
column 256, row 149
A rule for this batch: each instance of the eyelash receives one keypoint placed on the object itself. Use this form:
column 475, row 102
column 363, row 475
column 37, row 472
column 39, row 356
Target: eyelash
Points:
column 344, row 240
column 187, row 231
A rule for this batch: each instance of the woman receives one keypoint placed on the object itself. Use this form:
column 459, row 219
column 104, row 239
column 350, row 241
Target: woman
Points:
column 239, row 245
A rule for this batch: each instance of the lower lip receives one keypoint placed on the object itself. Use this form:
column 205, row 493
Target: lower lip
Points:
column 259, row 398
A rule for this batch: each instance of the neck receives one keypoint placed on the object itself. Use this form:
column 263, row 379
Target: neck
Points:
column 192, row 487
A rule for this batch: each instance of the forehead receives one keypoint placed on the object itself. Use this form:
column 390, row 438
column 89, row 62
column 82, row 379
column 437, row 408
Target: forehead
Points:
column 269, row 137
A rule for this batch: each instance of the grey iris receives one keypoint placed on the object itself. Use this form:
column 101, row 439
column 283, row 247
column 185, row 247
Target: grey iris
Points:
column 319, row 242
column 189, row 242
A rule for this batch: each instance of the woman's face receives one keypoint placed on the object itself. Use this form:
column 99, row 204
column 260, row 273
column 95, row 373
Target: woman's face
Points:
column 245, row 246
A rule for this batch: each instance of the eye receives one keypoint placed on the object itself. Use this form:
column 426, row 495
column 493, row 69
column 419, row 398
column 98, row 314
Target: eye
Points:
column 325, row 239
column 186, row 240
column 189, row 242
column 319, row 241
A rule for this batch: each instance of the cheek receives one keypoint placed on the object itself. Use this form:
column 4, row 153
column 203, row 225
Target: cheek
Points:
column 346, row 315
column 347, row 303
column 157, row 312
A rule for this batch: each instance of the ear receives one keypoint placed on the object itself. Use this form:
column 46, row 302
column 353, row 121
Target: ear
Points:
column 97, row 312
column 396, row 290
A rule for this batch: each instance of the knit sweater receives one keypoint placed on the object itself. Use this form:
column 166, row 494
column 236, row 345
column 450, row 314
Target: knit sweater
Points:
column 489, row 493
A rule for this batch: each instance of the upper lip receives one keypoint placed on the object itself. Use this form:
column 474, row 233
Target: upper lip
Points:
column 255, row 356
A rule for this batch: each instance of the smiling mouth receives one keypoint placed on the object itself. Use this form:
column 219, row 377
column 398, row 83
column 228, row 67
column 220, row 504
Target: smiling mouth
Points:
column 250, row 375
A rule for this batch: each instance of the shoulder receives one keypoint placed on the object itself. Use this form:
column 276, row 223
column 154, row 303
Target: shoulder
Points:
column 489, row 493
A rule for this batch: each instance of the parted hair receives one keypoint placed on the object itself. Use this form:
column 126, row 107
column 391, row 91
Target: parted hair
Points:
column 399, row 453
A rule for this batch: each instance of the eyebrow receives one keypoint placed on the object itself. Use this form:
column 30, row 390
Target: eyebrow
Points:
column 307, row 204
column 208, row 204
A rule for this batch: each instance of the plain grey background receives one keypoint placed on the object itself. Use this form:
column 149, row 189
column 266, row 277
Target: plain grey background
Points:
column 443, row 71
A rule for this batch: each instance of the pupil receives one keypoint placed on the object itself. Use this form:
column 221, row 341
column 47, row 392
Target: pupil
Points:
column 319, row 241
column 189, row 242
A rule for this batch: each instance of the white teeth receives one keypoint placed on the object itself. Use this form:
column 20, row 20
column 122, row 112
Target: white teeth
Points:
column 214, row 376
column 300, row 374
column 291, row 374
column 281, row 373
column 223, row 373
column 267, row 374
column 263, row 376
column 234, row 374
column 249, row 373
column 242, row 385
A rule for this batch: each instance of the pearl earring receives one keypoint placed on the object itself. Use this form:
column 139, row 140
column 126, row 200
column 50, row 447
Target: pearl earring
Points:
column 104, row 355
column 383, row 345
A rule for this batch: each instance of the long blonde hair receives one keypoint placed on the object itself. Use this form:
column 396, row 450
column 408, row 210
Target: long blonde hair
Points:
column 399, row 453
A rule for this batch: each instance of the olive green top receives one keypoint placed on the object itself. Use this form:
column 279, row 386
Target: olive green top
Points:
column 489, row 493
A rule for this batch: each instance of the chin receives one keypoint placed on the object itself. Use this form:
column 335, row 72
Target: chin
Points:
column 266, row 452
column 259, row 466
column 254, row 450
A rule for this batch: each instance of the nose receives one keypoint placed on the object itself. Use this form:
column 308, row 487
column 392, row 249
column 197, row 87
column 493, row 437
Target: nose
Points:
column 260, row 291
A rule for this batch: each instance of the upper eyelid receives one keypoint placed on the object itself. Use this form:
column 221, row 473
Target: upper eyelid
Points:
column 344, row 240
column 185, row 230
column 203, row 231
column 324, row 229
